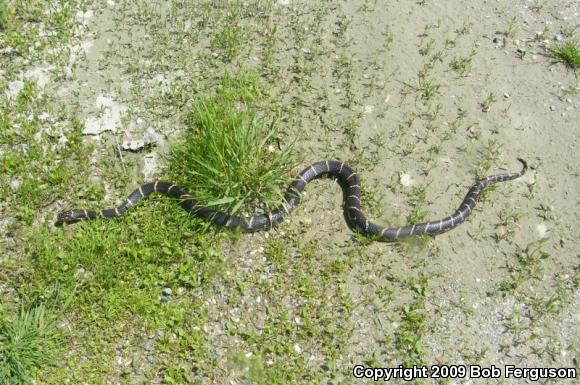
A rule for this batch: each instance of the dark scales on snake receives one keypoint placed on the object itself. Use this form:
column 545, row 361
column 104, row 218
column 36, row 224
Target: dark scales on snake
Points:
column 346, row 177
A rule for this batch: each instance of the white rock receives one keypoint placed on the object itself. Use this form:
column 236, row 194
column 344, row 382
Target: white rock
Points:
column 152, row 136
column 133, row 145
column 406, row 180
column 109, row 120
column 542, row 230
column 149, row 166
column 14, row 88
column 14, row 184
column 83, row 17
column 62, row 141
column 41, row 75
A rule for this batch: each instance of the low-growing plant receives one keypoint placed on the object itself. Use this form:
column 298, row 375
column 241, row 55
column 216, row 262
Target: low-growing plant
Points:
column 26, row 343
column 486, row 104
column 528, row 266
column 567, row 53
column 229, row 41
column 462, row 64
column 427, row 88
column 3, row 15
column 230, row 155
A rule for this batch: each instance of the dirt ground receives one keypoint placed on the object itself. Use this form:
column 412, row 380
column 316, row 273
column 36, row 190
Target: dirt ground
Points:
column 422, row 97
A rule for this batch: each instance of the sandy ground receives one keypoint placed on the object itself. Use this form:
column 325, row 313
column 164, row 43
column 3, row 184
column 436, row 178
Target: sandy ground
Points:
column 350, row 87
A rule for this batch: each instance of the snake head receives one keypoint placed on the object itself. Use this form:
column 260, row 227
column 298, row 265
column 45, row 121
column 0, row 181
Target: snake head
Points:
column 65, row 217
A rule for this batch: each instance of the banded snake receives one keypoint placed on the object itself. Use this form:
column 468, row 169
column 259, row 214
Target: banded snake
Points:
column 346, row 177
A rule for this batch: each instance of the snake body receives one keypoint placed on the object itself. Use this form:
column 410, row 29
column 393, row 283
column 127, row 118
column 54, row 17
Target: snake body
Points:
column 346, row 177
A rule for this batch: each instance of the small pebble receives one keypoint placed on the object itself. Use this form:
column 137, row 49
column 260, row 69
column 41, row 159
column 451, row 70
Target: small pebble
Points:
column 149, row 165
column 512, row 353
column 14, row 88
column 133, row 145
column 406, row 180
column 14, row 184
column 167, row 291
column 150, row 359
column 152, row 136
column 542, row 230
column 80, row 273
column 552, row 108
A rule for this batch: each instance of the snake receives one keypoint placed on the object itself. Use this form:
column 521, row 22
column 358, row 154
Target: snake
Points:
column 346, row 177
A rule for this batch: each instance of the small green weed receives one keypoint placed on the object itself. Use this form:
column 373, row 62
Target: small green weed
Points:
column 462, row 64
column 511, row 29
column 414, row 322
column 567, row 53
column 529, row 265
column 465, row 28
column 538, row 5
column 229, row 41
column 428, row 47
column 508, row 225
column 3, row 15
column 428, row 88
column 486, row 104
column 488, row 158
column 417, row 200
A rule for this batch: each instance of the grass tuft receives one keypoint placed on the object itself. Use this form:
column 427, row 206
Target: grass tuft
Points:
column 26, row 343
column 567, row 53
column 3, row 15
column 229, row 157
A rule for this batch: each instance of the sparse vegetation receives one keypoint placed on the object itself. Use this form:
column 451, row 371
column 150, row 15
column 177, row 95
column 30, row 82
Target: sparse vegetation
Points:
column 462, row 64
column 486, row 104
column 413, row 328
column 158, row 297
column 229, row 41
column 567, row 53
column 511, row 29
